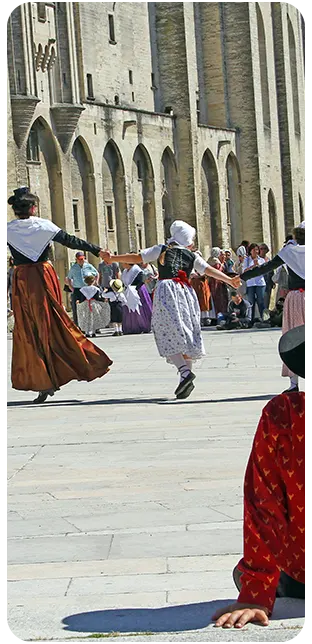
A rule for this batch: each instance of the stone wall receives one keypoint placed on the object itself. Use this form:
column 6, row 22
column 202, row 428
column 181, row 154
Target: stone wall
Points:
column 201, row 94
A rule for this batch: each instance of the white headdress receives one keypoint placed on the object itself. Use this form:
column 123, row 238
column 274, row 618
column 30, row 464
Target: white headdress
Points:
column 182, row 233
column 241, row 251
column 302, row 225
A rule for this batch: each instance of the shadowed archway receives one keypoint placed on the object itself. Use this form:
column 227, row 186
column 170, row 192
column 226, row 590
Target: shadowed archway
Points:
column 211, row 200
column 233, row 200
column 83, row 193
column 45, row 180
column 273, row 223
column 114, row 192
column 143, row 186
column 169, row 189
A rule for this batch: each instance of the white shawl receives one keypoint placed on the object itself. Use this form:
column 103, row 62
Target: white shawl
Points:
column 294, row 257
column 89, row 291
column 133, row 301
column 31, row 236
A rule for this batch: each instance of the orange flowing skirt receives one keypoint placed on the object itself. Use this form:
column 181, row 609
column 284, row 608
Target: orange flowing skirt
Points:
column 201, row 287
column 48, row 349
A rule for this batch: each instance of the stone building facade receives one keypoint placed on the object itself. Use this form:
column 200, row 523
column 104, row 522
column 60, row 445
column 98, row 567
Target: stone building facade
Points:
column 124, row 116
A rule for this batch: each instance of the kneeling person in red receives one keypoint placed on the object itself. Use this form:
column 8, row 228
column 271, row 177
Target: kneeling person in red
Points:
column 274, row 542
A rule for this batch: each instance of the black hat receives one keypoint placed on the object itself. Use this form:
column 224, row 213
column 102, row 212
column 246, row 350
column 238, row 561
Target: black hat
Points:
column 21, row 192
column 292, row 350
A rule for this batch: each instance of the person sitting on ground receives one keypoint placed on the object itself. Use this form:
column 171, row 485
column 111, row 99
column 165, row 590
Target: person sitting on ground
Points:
column 272, row 318
column 274, row 501
column 238, row 315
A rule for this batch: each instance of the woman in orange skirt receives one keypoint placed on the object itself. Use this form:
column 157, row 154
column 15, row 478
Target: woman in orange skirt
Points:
column 48, row 349
column 200, row 284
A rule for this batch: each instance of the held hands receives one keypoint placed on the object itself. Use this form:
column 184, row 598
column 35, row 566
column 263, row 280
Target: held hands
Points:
column 238, row 615
column 235, row 281
column 106, row 256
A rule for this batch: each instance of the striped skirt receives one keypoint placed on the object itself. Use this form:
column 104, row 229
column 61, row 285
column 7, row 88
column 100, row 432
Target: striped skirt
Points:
column 293, row 315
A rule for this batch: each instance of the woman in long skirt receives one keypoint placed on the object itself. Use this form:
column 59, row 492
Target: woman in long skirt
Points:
column 137, row 312
column 48, row 349
column 219, row 299
column 176, row 312
column 293, row 256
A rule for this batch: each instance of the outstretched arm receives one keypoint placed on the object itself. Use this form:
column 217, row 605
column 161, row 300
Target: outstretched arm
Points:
column 235, row 282
column 70, row 241
column 249, row 273
column 128, row 258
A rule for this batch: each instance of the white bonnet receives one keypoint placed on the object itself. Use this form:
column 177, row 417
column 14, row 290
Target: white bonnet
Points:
column 182, row 233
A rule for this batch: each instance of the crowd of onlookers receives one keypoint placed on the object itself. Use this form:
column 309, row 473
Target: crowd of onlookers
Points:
column 109, row 296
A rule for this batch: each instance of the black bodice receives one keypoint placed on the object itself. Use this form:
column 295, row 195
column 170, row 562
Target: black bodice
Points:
column 175, row 259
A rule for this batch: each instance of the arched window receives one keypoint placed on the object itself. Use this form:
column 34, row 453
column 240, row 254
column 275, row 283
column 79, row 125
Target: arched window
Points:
column 294, row 76
column 263, row 69
column 301, row 209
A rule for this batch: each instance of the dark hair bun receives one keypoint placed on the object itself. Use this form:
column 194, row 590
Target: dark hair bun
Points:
column 11, row 200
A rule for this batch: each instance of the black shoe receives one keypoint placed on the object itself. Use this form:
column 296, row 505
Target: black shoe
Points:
column 184, row 383
column 186, row 392
column 120, row 333
column 42, row 396
column 115, row 334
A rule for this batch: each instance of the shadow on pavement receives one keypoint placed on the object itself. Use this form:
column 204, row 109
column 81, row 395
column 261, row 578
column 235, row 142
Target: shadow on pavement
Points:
column 136, row 401
column 165, row 620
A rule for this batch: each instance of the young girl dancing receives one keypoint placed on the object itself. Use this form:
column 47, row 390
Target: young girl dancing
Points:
column 176, row 312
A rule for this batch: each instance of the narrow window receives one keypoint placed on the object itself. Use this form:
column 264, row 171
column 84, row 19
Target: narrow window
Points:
column 140, row 237
column 32, row 152
column 75, row 214
column 116, row 99
column 94, row 127
column 19, row 84
column 64, row 79
column 42, row 11
column 153, row 81
column 110, row 221
column 139, row 167
column 90, row 87
column 130, row 77
column 111, row 28
column 133, row 96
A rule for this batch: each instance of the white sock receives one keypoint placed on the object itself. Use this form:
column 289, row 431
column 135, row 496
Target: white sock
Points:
column 181, row 365
column 119, row 326
column 189, row 363
column 294, row 381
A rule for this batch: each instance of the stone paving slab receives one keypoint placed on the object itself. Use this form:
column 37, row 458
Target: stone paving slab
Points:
column 260, row 635
column 125, row 505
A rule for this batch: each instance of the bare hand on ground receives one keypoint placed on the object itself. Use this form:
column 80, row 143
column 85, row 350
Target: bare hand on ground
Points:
column 238, row 615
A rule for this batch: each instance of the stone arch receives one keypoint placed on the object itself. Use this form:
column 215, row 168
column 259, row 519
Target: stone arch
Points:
column 143, row 198
column 45, row 180
column 83, row 193
column 169, row 188
column 114, row 192
column 265, row 94
column 211, row 201
column 301, row 208
column 293, row 74
column 273, row 223
column 234, row 200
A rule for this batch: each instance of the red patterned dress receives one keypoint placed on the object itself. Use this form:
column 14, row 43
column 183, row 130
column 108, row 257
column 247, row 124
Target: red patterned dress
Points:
column 274, row 501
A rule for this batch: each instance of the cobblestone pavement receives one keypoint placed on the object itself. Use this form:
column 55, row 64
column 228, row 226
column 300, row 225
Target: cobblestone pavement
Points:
column 125, row 506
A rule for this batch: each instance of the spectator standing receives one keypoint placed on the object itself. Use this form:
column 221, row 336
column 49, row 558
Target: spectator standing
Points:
column 219, row 292
column 137, row 312
column 93, row 311
column 229, row 262
column 269, row 284
column 150, row 277
column 107, row 273
column 255, row 285
column 75, row 279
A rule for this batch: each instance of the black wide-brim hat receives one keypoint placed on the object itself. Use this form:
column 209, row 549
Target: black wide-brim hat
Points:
column 292, row 350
